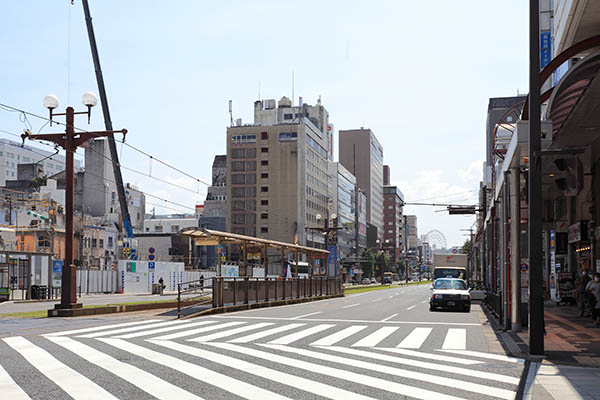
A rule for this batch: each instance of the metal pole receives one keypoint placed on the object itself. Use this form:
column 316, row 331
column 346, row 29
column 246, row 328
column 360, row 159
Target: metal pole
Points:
column 504, row 248
column 536, row 298
column 108, row 123
column 515, row 247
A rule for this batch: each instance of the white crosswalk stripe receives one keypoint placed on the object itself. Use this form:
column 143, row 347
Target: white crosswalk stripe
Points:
column 374, row 338
column 416, row 338
column 230, row 332
column 370, row 358
column 456, row 339
column 9, row 389
column 149, row 383
column 69, row 380
column 302, row 334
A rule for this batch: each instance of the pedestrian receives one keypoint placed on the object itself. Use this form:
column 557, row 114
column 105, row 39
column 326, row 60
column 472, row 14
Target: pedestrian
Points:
column 581, row 291
column 593, row 287
column 161, row 282
column 201, row 281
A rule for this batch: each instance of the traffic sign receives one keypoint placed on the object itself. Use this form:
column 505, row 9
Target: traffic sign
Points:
column 151, row 250
column 151, row 257
column 151, row 265
column 524, row 267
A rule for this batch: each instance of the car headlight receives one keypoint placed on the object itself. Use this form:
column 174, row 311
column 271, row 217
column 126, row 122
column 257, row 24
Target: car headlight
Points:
column 437, row 296
column 465, row 297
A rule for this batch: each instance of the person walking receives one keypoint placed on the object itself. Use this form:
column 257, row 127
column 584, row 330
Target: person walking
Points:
column 593, row 287
column 582, row 292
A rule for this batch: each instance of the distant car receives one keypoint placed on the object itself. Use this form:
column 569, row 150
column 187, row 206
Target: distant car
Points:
column 373, row 280
column 387, row 279
column 366, row 281
column 450, row 293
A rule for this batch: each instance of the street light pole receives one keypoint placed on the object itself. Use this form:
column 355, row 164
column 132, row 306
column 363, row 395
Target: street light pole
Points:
column 536, row 299
column 69, row 141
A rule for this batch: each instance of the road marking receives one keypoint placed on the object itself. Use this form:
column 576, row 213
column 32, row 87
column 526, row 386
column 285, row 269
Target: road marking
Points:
column 338, row 336
column 135, row 328
column 302, row 334
column 410, row 308
column 391, row 297
column 191, row 332
column 423, row 364
column 376, row 300
column 350, row 376
column 268, row 332
column 491, row 356
column 416, row 338
column 295, row 381
column 232, row 385
column 69, row 380
column 438, row 380
column 357, row 321
column 430, row 356
column 9, row 388
column 230, row 332
column 456, row 339
column 100, row 327
column 374, row 338
column 161, row 330
column 388, row 318
column 528, row 390
column 306, row 315
column 351, row 305
column 425, row 301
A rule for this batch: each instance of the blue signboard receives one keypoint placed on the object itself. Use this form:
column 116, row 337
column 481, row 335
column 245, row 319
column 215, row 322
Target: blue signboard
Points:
column 151, row 265
column 332, row 260
column 545, row 49
column 57, row 273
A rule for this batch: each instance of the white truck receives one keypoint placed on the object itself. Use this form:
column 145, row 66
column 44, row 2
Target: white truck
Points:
column 450, row 266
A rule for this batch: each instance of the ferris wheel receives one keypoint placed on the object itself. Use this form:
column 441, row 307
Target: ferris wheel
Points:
column 436, row 239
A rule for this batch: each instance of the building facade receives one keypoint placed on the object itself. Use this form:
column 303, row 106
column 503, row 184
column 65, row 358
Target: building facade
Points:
column 362, row 155
column 278, row 171
column 393, row 219
column 412, row 239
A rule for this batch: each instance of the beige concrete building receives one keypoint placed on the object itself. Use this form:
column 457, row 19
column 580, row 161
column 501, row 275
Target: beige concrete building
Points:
column 277, row 172
column 362, row 155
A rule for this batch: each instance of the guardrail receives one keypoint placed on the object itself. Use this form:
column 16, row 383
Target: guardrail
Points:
column 196, row 286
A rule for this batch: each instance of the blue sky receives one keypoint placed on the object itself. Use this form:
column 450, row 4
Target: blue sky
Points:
column 418, row 73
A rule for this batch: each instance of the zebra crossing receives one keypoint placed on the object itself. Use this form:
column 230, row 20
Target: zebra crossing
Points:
column 228, row 358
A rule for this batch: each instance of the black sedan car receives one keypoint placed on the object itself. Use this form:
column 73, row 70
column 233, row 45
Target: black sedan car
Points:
column 450, row 293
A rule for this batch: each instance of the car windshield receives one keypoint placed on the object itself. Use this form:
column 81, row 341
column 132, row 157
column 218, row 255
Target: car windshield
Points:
column 450, row 284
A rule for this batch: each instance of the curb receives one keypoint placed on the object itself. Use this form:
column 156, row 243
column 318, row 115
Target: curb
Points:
column 251, row 306
column 112, row 309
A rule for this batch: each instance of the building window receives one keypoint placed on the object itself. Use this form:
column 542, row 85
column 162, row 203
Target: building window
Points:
column 264, row 229
column 263, row 136
column 43, row 242
column 288, row 136
column 264, row 162
column 264, row 149
column 101, row 243
column 244, row 139
column 264, row 202
column 158, row 228
column 264, row 189
column 288, row 116
column 174, row 228
column 250, row 165
column 264, row 175
column 238, row 179
column 264, row 216
column 238, row 219
column 94, row 243
column 110, row 241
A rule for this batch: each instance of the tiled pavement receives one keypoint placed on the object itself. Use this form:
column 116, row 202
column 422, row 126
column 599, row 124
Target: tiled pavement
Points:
column 571, row 366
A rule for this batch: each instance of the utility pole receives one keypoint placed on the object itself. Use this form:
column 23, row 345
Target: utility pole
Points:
column 326, row 230
column 536, row 299
column 69, row 141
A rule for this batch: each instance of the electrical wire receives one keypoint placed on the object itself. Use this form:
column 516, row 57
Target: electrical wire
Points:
column 166, row 164
column 109, row 180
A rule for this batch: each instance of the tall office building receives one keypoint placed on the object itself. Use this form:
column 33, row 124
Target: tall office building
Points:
column 277, row 171
column 393, row 234
column 362, row 155
column 412, row 238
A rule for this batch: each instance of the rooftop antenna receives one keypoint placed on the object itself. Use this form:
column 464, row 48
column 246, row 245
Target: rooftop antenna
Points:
column 292, row 88
column 230, row 113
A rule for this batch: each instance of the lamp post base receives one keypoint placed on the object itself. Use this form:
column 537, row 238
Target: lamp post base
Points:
column 66, row 310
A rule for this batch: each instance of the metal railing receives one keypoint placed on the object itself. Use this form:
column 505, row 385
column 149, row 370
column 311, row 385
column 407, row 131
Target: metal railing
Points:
column 197, row 286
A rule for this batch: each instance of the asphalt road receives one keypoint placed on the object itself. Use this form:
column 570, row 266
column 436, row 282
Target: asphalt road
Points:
column 377, row 345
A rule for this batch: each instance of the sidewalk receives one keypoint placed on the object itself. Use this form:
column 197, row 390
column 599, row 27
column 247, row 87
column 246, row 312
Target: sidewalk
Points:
column 570, row 368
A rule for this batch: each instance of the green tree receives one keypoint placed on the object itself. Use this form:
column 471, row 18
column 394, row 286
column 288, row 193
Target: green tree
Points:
column 466, row 247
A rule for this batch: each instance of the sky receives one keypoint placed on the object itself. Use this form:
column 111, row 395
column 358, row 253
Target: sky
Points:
column 418, row 73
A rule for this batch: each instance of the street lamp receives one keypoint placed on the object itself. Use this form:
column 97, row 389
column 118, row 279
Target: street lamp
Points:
column 69, row 141
column 382, row 248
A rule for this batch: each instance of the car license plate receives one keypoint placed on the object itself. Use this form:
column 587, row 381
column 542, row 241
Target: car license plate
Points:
column 451, row 303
